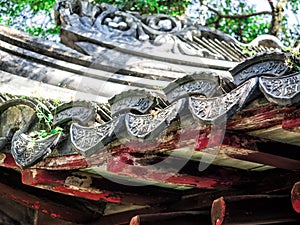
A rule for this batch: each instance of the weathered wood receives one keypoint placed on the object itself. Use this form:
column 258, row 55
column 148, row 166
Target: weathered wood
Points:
column 291, row 121
column 89, row 186
column 276, row 133
column 258, row 115
column 37, row 203
column 256, row 152
column 14, row 213
column 252, row 209
column 172, row 218
column 4, row 219
column 295, row 197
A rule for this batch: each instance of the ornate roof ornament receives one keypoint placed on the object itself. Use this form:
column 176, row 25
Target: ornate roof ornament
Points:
column 209, row 110
column 206, row 84
column 106, row 25
column 88, row 140
column 15, row 123
column 27, row 152
column 82, row 112
column 149, row 126
column 138, row 100
column 268, row 63
column 283, row 90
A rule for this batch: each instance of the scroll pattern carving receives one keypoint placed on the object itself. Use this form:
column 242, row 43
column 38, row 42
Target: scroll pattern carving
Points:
column 108, row 20
column 281, row 90
column 202, row 83
column 106, row 23
column 88, row 140
column 204, row 87
column 211, row 109
column 140, row 104
column 267, row 63
column 28, row 152
column 78, row 113
column 272, row 67
column 145, row 126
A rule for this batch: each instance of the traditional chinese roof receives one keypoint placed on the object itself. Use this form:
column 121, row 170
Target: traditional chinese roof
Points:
column 160, row 118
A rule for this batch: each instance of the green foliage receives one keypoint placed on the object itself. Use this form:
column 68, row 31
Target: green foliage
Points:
column 248, row 28
column 248, row 51
column 46, row 117
column 35, row 5
column 244, row 29
column 40, row 31
column 19, row 13
column 293, row 61
column 174, row 8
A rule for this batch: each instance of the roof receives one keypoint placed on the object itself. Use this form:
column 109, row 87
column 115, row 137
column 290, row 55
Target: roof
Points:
column 161, row 118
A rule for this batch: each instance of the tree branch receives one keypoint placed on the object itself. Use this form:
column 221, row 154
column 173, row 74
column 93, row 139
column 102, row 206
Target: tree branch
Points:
column 271, row 3
column 238, row 16
column 277, row 15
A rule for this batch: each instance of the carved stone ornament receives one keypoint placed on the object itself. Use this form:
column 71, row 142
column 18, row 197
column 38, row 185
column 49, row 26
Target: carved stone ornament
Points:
column 88, row 140
column 18, row 119
column 109, row 21
column 132, row 100
column 104, row 23
column 82, row 112
column 205, row 84
column 209, row 110
column 27, row 151
column 281, row 90
column 149, row 126
column 264, row 64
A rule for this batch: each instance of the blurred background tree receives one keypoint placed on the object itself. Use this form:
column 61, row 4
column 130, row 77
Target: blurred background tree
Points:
column 32, row 16
column 240, row 18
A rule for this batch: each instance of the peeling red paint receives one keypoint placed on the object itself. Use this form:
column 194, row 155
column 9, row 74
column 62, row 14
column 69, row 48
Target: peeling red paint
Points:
column 36, row 205
column 140, row 172
column 44, row 205
column 258, row 118
column 295, row 197
column 55, row 181
column 88, row 195
column 63, row 163
column 207, row 183
column 8, row 161
column 218, row 210
column 291, row 120
column 200, row 143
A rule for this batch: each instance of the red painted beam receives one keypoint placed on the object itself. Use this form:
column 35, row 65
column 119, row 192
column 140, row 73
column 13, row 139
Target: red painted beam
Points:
column 53, row 209
column 291, row 121
column 258, row 117
column 68, row 162
column 252, row 209
column 123, row 165
column 87, row 186
column 6, row 160
column 63, row 182
column 197, row 217
column 295, row 197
